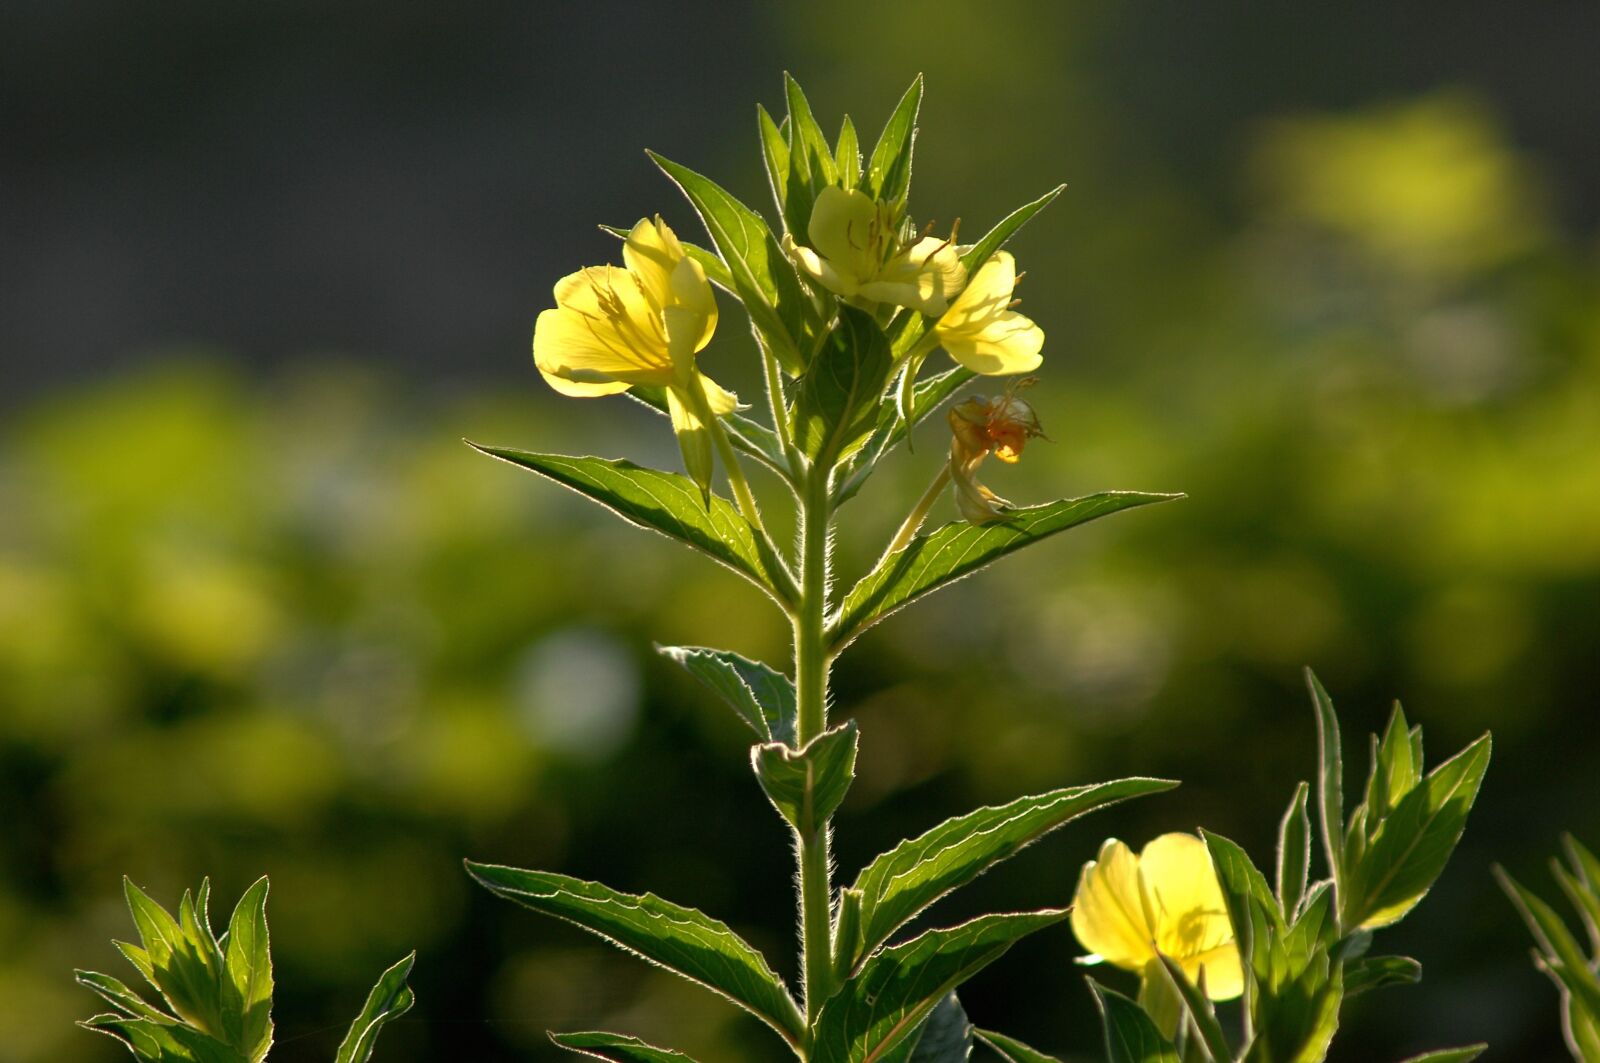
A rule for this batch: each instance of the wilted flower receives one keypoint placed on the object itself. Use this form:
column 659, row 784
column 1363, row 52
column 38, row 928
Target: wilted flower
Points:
column 1165, row 900
column 614, row 327
column 983, row 332
column 982, row 426
column 858, row 251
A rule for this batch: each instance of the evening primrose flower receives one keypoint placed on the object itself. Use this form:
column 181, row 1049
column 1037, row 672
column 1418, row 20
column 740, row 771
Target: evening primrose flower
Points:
column 613, row 328
column 859, row 252
column 982, row 426
column 982, row 331
column 1165, row 900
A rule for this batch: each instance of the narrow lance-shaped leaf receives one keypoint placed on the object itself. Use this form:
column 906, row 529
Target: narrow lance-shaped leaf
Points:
column 249, row 963
column 617, row 1047
column 763, row 699
column 1198, row 1012
column 1011, row 1050
column 763, row 278
column 1465, row 1054
column 902, row 882
column 390, row 998
column 119, row 996
column 155, row 1043
column 683, row 940
column 996, row 238
column 665, row 502
column 889, row 171
column 932, row 560
column 1564, row 957
column 806, row 785
column 775, row 156
column 1414, row 842
column 1294, row 852
column 1130, row 1035
column 840, row 393
column 811, row 167
column 1330, row 781
column 847, row 155
column 1366, row 973
column 900, row 986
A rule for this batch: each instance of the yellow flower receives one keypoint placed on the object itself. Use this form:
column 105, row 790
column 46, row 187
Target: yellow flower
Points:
column 858, row 251
column 614, row 327
column 983, row 332
column 979, row 427
column 1167, row 900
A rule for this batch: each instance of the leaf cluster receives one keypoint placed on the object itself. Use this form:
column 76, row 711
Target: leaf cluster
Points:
column 1558, row 954
column 216, row 990
column 1304, row 945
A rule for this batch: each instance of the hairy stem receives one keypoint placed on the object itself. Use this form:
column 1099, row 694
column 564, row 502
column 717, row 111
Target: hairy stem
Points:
column 811, row 688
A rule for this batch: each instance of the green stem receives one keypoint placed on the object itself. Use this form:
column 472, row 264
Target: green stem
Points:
column 811, row 688
column 780, row 413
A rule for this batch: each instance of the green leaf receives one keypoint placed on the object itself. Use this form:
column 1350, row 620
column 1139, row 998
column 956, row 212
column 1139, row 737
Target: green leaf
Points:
column 1011, row 1050
column 1130, row 1035
column 249, row 963
column 899, row 987
column 775, row 156
column 158, row 1043
column 847, row 155
column 665, row 502
column 1563, row 955
column 617, row 1047
column 750, row 436
column 763, row 698
column 811, row 166
column 1374, row 972
column 892, row 428
column 945, row 1036
column 763, row 279
column 1394, row 769
column 996, row 238
column 902, row 882
column 390, row 998
column 1449, row 1055
column 889, row 172
column 1252, row 909
column 840, row 393
column 806, row 785
column 1294, row 852
column 1413, row 843
column 1585, row 863
column 1199, row 1013
column 182, row 968
column 958, row 549
column 1584, row 900
column 1581, row 1028
column 683, row 940
column 121, row 997
column 1330, row 781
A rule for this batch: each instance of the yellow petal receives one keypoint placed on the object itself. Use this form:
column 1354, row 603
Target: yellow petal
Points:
column 1224, row 974
column 652, row 251
column 842, row 230
column 1008, row 343
column 924, row 277
column 1186, row 907
column 588, row 357
column 818, row 268
column 691, row 290
column 985, row 295
column 1108, row 913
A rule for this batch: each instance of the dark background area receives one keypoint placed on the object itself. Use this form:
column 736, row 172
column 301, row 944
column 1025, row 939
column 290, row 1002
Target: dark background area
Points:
column 1332, row 271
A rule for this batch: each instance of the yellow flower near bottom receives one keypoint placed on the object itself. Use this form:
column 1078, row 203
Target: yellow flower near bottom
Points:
column 1164, row 900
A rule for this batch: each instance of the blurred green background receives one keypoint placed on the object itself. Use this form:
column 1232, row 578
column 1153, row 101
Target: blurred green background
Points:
column 1333, row 272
